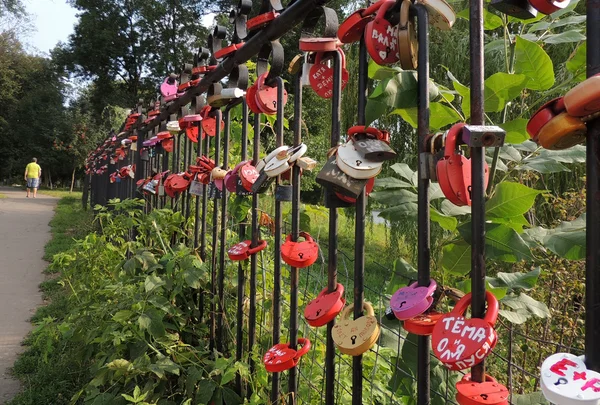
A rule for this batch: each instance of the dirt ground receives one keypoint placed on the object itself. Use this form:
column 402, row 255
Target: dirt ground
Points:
column 24, row 231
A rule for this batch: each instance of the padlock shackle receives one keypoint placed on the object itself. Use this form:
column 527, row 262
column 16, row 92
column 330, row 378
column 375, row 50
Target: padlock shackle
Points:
column 304, row 349
column 383, row 9
column 260, row 246
column 430, row 289
column 300, row 150
column 320, row 56
column 338, row 289
column 491, row 313
column 362, row 129
column 367, row 307
column 372, row 9
column 451, row 139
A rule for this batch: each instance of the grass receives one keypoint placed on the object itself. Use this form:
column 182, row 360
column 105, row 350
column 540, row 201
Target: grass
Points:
column 61, row 193
column 3, row 196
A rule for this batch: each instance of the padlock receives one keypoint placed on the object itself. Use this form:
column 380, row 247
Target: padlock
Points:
column 248, row 174
column 209, row 124
column 242, row 250
column 231, row 178
column 562, row 132
column 543, row 115
column 368, row 188
column 354, row 164
column 460, row 343
column 441, row 14
column 309, row 62
column 325, row 307
column 218, row 173
column 281, row 357
column 372, row 143
column 225, row 97
column 326, row 44
column 251, row 99
column 280, row 162
column 423, row 324
column 549, row 6
column 408, row 302
column 489, row 392
column 355, row 337
column 354, row 26
column 408, row 46
column 454, row 170
column 584, row 99
column 306, row 163
column 179, row 183
column 339, row 182
column 565, row 379
column 520, row 9
column 168, row 88
column 321, row 74
column 173, row 127
column 300, row 254
column 433, row 156
column 381, row 37
column 283, row 192
column 266, row 96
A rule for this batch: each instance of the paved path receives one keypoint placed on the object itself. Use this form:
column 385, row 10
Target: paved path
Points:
column 24, row 231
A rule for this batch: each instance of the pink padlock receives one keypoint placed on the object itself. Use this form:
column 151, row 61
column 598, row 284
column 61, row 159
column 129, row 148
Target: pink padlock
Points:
column 232, row 177
column 412, row 300
column 168, row 88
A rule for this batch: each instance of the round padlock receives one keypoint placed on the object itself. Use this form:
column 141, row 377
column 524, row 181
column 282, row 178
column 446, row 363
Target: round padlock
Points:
column 281, row 357
column 355, row 337
column 309, row 44
column 489, row 392
column 231, row 179
column 248, row 174
column 460, row 343
column 543, row 115
column 353, row 27
column 300, row 254
column 412, row 300
column 562, row 132
column 372, row 143
column 565, row 379
column 381, row 37
column 354, row 164
column 325, row 307
column 321, row 75
column 179, row 183
column 242, row 250
column 441, row 14
column 278, row 164
column 549, row 6
column 408, row 46
column 368, row 188
column 422, row 325
column 584, row 99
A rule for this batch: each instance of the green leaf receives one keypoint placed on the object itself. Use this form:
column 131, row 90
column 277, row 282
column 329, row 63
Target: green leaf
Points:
column 374, row 110
column 144, row 321
column 511, row 199
column 490, row 21
column 450, row 209
column 391, row 182
column 379, row 72
column 543, row 165
column 403, row 170
column 535, row 398
column 456, row 258
column 570, row 245
column 575, row 154
column 532, row 61
column 517, row 222
column 153, row 282
column 164, row 365
column 403, row 273
column 122, row 316
column 408, row 114
column 156, row 327
column 465, row 94
column 524, row 301
column 525, row 281
column 399, row 212
column 440, row 115
column 503, row 87
column 446, row 222
column 230, row 397
column 501, row 242
column 515, row 130
column 499, row 292
column 394, row 197
column 508, row 152
column 576, row 64
column 564, row 37
column 517, row 317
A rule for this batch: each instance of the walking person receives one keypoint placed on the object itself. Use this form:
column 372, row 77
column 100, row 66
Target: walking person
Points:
column 33, row 172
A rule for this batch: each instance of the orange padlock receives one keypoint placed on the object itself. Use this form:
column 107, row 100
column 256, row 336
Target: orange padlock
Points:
column 489, row 392
column 300, row 254
column 562, row 132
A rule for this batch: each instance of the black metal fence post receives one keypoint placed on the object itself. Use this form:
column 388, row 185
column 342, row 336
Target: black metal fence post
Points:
column 592, row 316
column 204, row 205
column 221, row 288
column 215, row 227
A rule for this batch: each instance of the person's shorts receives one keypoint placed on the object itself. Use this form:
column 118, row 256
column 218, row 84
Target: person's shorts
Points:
column 33, row 183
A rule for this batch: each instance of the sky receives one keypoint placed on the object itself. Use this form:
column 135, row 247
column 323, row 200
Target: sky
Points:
column 52, row 22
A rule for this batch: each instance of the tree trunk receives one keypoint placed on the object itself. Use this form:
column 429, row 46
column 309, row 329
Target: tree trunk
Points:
column 72, row 180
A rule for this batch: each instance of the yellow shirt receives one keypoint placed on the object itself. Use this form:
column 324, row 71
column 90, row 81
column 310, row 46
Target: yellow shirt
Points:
column 33, row 170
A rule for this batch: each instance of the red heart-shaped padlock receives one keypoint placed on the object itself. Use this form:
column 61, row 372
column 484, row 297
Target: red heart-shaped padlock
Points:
column 281, row 357
column 248, row 174
column 461, row 343
column 422, row 325
column 242, row 250
column 251, row 99
column 325, row 307
column 209, row 124
column 266, row 96
column 321, row 75
column 179, row 183
column 489, row 392
column 353, row 27
column 300, row 254
column 381, row 37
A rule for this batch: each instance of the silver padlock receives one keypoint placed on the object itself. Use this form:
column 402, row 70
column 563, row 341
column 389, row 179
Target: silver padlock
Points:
column 306, row 66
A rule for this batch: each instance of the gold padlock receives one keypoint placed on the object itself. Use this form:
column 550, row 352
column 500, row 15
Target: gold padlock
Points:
column 306, row 163
column 355, row 337
column 218, row 173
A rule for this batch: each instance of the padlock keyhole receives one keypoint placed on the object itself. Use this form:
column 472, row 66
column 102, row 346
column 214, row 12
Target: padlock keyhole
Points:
column 470, row 191
column 402, row 304
column 318, row 312
column 358, row 162
column 301, row 255
column 353, row 339
column 484, row 396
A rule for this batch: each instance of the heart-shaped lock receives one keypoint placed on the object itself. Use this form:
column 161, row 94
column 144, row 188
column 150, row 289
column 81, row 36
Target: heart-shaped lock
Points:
column 461, row 343
column 454, row 170
column 372, row 143
column 562, row 132
column 179, row 183
column 248, row 174
column 266, row 95
column 231, row 178
column 584, row 99
column 325, row 307
column 321, row 74
column 489, row 392
column 408, row 46
column 251, row 99
column 549, row 6
column 567, row 380
column 242, row 250
column 355, row 337
column 168, row 88
column 281, row 357
column 354, row 164
column 300, row 254
column 381, row 37
column 354, row 26
column 209, row 124
column 412, row 300
column 422, row 325
column 543, row 115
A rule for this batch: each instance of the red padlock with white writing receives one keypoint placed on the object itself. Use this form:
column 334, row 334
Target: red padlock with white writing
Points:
column 381, row 37
column 454, row 170
column 353, row 27
column 321, row 74
column 325, row 307
column 248, row 174
column 242, row 250
column 300, row 254
column 489, row 392
column 281, row 357
column 461, row 343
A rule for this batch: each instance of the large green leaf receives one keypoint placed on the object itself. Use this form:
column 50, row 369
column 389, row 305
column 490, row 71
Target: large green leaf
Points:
column 517, row 279
column 509, row 152
column 532, row 61
column 456, row 258
column 374, row 110
column 403, row 273
column 534, row 398
column 504, row 86
column 400, row 212
column 543, row 165
column 515, row 130
column 524, row 301
column 490, row 21
column 575, row 154
column 446, row 222
column 564, row 37
column 517, row 317
column 440, row 115
column 517, row 222
column 394, row 196
column 391, row 182
column 450, row 209
column 404, row 170
column 501, row 242
column 577, row 62
column 570, row 244
column 511, row 199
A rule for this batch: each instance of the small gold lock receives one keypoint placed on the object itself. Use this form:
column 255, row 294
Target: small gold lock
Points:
column 306, row 163
column 218, row 173
column 355, row 337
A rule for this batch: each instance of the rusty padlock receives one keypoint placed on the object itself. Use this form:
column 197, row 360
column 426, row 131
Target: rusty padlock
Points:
column 565, row 379
column 321, row 74
column 372, row 143
column 281, row 357
column 325, row 307
column 460, row 343
column 355, row 337
column 381, row 37
column 489, row 392
column 300, row 254
column 410, row 301
column 242, row 250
